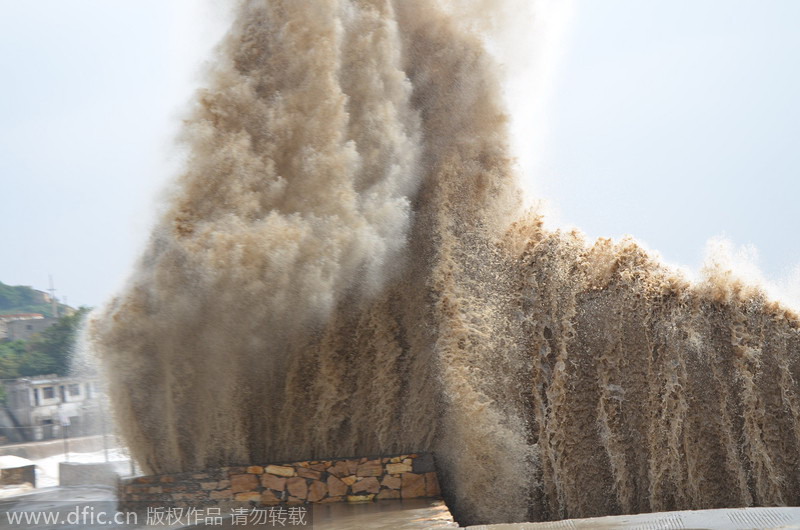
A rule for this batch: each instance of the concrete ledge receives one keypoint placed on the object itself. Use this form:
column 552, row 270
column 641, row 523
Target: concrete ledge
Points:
column 351, row 480
column 77, row 474
column 37, row 450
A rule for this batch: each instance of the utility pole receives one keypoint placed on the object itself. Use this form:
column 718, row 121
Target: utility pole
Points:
column 53, row 297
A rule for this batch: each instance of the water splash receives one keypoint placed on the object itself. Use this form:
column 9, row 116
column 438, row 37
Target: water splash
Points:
column 344, row 269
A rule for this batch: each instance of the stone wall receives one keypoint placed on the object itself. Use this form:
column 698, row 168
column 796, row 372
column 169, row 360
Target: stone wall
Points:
column 18, row 475
column 318, row 481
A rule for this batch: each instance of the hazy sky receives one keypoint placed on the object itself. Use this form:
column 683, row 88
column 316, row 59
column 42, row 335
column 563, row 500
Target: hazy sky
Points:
column 678, row 121
column 675, row 121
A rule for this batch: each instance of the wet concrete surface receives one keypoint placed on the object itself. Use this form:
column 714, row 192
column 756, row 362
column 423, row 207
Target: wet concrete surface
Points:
column 74, row 507
column 719, row 519
column 94, row 507
column 40, row 508
column 388, row 515
column 382, row 515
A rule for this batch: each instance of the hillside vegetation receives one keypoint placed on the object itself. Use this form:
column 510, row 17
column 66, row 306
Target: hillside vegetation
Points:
column 24, row 299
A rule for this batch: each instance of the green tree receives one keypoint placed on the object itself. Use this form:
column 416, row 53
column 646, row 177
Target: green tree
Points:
column 10, row 355
column 50, row 352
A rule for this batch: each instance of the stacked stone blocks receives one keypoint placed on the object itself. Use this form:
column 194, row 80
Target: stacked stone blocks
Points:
column 12, row 476
column 363, row 479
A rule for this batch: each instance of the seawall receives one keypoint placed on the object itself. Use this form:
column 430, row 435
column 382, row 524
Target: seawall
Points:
column 363, row 479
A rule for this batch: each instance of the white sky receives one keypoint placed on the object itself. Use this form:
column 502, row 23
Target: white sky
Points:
column 676, row 121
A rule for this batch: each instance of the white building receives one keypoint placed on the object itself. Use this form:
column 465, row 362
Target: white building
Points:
column 43, row 406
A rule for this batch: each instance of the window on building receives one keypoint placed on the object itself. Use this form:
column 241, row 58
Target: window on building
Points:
column 74, row 390
column 48, row 392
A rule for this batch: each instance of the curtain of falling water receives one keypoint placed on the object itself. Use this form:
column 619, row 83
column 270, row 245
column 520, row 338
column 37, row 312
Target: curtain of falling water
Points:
column 343, row 269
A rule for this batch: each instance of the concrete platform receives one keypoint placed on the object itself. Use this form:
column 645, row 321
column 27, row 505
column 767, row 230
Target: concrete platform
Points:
column 723, row 519
column 410, row 514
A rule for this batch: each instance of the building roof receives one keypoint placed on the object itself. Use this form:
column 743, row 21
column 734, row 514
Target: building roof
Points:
column 50, row 379
column 21, row 316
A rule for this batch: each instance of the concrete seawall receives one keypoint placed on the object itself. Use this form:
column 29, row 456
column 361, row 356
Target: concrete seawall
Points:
column 37, row 450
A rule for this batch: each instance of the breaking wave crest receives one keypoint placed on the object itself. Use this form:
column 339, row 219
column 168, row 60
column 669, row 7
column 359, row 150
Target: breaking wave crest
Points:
column 345, row 269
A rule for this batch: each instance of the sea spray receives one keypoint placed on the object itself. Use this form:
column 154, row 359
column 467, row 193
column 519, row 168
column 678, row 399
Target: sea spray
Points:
column 344, row 270
column 303, row 157
column 651, row 393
